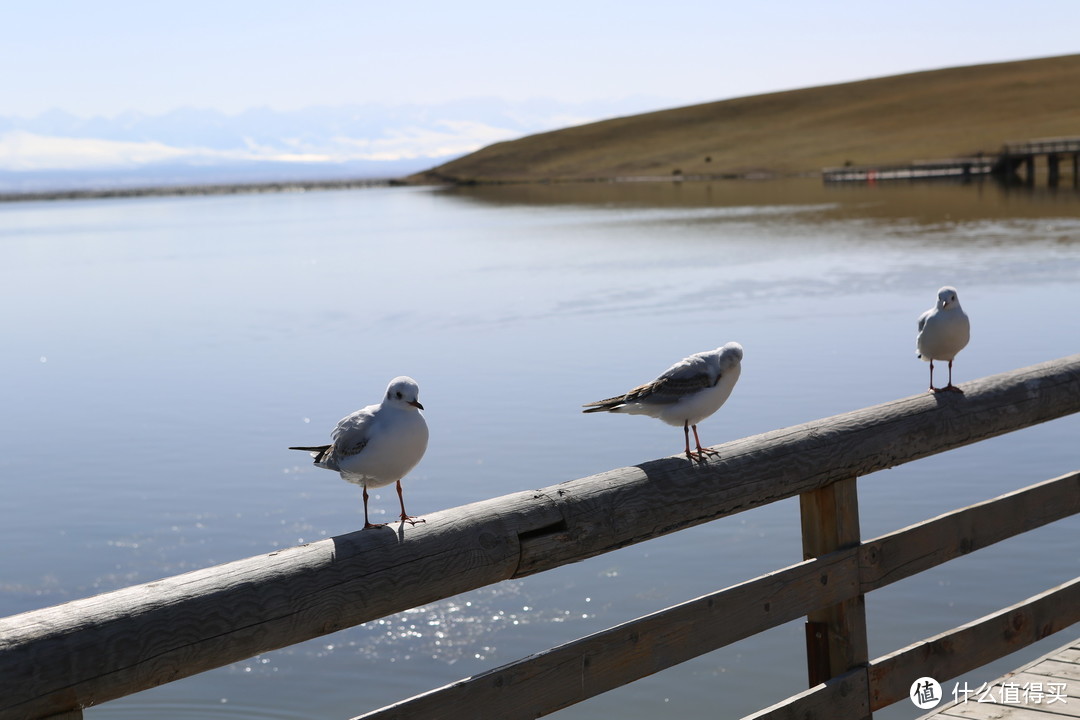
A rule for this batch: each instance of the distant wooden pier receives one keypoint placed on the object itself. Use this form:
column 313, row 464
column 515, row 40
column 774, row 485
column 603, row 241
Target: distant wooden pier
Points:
column 1017, row 163
column 947, row 169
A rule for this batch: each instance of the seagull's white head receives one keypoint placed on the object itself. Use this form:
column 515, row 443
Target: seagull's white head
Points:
column 732, row 353
column 403, row 392
column 947, row 298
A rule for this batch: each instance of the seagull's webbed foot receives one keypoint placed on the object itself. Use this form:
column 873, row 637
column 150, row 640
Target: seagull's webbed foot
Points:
column 373, row 526
column 948, row 388
column 411, row 519
column 701, row 454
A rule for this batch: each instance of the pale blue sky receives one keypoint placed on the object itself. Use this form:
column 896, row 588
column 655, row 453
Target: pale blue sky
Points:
column 111, row 56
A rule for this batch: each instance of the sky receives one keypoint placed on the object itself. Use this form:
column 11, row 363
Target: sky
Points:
column 114, row 56
column 120, row 86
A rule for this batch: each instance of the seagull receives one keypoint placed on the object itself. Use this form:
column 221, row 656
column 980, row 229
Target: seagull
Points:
column 687, row 393
column 944, row 330
column 378, row 444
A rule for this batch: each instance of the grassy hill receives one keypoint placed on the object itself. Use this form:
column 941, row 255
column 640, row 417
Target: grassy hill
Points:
column 941, row 113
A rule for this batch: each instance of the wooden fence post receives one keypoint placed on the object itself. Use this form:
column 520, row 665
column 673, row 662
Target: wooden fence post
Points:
column 835, row 635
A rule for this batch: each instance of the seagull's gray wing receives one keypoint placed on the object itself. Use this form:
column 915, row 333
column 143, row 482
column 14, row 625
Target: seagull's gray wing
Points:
column 348, row 446
column 684, row 379
column 353, row 432
column 922, row 319
column 351, row 435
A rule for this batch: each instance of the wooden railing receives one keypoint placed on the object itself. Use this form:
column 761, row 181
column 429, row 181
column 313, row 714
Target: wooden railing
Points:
column 1042, row 146
column 1005, row 165
column 56, row 660
column 1017, row 155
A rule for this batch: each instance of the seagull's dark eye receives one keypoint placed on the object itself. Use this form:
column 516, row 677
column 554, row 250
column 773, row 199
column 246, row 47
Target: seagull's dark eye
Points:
column 399, row 395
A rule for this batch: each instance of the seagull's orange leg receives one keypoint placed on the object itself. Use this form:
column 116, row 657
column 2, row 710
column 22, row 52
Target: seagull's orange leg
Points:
column 950, row 387
column 369, row 525
column 404, row 517
column 700, row 450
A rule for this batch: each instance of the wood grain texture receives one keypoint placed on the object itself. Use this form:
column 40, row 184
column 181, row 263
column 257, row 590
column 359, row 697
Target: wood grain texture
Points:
column 912, row 550
column 543, row 682
column 95, row 649
column 842, row 697
column 525, row 688
column 85, row 652
column 836, row 636
column 621, row 507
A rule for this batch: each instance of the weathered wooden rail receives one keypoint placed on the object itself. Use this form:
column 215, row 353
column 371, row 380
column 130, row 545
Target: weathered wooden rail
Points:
column 59, row 659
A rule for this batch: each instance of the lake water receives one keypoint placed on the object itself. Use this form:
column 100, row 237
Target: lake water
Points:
column 160, row 354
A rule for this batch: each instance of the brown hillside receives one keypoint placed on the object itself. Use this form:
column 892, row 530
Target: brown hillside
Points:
column 897, row 119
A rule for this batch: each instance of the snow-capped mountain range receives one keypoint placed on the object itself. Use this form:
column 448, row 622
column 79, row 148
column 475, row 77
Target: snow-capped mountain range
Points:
column 59, row 150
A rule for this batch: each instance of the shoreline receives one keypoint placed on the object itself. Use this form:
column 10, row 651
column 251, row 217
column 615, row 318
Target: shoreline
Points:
column 280, row 186
column 419, row 179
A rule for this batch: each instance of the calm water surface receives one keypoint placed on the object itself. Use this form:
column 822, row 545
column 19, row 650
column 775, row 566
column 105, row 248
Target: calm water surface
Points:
column 160, row 354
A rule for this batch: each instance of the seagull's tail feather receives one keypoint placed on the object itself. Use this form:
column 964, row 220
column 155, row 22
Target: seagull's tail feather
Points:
column 610, row 405
column 319, row 452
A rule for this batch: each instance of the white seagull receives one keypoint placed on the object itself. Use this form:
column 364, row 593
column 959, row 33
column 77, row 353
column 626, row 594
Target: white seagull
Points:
column 379, row 444
column 687, row 393
column 944, row 330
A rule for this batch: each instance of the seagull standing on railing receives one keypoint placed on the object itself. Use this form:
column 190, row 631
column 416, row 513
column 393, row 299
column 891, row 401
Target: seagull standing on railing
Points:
column 379, row 444
column 944, row 330
column 687, row 393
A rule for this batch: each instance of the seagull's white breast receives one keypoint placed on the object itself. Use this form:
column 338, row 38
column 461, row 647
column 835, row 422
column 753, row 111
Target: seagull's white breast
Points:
column 694, row 408
column 396, row 441
column 944, row 334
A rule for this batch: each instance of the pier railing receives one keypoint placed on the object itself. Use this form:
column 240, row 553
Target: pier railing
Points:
column 1015, row 163
column 1042, row 146
column 57, row 660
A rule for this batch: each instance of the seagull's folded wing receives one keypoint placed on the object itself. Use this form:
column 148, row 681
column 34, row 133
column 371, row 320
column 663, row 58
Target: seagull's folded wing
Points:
column 923, row 317
column 670, row 389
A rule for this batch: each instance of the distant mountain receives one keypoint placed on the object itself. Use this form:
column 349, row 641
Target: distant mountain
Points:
column 59, row 150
